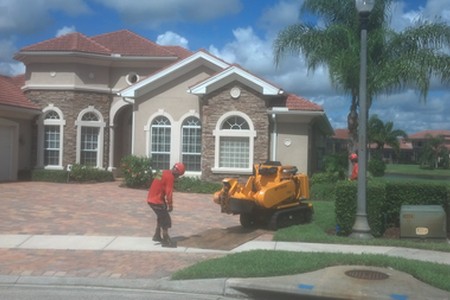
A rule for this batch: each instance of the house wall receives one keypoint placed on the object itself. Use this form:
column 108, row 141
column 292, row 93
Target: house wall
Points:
column 172, row 101
column 293, row 144
column 71, row 103
column 219, row 102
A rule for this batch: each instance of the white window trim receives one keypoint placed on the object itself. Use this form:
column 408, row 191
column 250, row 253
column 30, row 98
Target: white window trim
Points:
column 218, row 133
column 41, row 132
column 191, row 113
column 174, row 134
column 99, row 124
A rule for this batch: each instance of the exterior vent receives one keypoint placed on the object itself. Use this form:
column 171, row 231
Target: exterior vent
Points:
column 423, row 221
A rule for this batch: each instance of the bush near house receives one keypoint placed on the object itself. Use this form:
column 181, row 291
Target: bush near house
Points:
column 137, row 171
column 79, row 173
column 384, row 201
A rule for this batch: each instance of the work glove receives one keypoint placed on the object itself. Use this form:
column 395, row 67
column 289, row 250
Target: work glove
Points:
column 169, row 208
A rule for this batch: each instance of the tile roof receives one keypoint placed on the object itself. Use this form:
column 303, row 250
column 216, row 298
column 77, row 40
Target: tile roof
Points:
column 295, row 102
column 127, row 43
column 12, row 95
column 424, row 134
column 76, row 42
column 341, row 134
column 123, row 42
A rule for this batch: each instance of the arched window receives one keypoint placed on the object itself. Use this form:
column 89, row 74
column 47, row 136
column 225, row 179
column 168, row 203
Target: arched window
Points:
column 50, row 138
column 191, row 148
column 234, row 143
column 90, row 127
column 160, row 143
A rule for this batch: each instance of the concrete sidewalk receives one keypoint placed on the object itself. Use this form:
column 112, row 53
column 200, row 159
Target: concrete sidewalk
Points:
column 331, row 282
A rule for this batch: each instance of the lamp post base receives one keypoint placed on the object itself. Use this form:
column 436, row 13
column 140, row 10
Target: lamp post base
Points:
column 361, row 229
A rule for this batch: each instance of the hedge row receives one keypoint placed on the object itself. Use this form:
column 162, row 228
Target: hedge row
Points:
column 78, row 174
column 384, row 201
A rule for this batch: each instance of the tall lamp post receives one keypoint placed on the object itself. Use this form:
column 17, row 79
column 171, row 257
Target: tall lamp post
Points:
column 361, row 227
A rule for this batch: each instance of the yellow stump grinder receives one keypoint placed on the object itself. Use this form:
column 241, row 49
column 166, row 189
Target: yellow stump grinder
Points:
column 274, row 197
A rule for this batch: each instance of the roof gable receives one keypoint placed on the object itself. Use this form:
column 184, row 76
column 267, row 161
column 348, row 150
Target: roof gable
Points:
column 11, row 94
column 235, row 73
column 200, row 58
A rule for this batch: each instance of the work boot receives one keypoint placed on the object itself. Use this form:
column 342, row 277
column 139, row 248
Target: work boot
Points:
column 157, row 236
column 168, row 243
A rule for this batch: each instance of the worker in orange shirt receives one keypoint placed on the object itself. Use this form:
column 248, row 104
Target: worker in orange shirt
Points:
column 160, row 200
column 354, row 160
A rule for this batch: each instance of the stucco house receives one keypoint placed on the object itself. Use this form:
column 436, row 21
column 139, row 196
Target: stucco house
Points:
column 94, row 100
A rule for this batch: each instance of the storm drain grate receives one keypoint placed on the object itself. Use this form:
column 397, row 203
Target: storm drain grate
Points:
column 367, row 274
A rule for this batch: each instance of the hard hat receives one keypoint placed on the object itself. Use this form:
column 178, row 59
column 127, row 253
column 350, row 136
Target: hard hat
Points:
column 180, row 168
column 353, row 156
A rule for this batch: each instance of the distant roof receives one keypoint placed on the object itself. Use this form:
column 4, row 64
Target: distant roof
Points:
column 122, row 42
column 426, row 133
column 341, row 134
column 12, row 95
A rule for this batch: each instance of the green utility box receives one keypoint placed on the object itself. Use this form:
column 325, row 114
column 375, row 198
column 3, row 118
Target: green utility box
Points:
column 423, row 221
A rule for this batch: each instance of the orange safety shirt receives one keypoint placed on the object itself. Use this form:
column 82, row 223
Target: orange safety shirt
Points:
column 161, row 190
column 354, row 175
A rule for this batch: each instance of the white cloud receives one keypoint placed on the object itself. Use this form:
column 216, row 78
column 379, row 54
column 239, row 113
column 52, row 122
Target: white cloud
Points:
column 7, row 65
column 154, row 13
column 280, row 15
column 25, row 17
column 65, row 30
column 172, row 39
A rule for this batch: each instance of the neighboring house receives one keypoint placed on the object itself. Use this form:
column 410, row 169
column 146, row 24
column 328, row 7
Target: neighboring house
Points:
column 420, row 139
column 94, row 100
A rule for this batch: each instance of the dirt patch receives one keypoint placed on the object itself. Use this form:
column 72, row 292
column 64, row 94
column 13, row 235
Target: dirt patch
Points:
column 221, row 238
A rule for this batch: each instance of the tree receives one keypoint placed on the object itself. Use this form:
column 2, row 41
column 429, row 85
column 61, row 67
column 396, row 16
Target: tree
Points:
column 396, row 60
column 434, row 152
column 384, row 134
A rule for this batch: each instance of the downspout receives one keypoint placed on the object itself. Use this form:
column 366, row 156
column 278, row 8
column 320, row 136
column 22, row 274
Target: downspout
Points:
column 274, row 137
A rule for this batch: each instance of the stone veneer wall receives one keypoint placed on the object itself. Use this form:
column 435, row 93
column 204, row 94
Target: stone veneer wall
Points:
column 71, row 103
column 220, row 102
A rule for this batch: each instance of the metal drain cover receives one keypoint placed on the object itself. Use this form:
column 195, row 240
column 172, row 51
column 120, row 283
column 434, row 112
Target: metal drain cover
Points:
column 367, row 274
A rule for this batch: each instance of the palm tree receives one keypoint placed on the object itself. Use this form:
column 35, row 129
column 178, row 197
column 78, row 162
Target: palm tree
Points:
column 384, row 134
column 396, row 60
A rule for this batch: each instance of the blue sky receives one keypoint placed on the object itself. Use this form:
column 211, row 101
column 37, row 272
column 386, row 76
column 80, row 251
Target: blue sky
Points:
column 239, row 31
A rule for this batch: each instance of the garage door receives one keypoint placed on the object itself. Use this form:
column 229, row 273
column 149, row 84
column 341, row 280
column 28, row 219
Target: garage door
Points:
column 6, row 153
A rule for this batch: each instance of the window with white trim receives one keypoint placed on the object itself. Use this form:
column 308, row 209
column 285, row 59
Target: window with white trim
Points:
column 90, row 128
column 191, row 148
column 160, row 143
column 52, row 138
column 234, row 143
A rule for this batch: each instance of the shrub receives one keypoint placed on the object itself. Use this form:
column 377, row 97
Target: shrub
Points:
column 195, row 185
column 377, row 167
column 137, row 171
column 384, row 201
column 82, row 173
column 60, row 176
column 79, row 173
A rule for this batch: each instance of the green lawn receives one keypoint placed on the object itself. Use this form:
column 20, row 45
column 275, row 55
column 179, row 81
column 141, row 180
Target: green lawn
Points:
column 415, row 170
column 263, row 263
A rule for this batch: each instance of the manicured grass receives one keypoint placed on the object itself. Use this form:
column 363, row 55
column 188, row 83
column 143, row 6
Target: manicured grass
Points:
column 415, row 170
column 264, row 263
column 324, row 222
